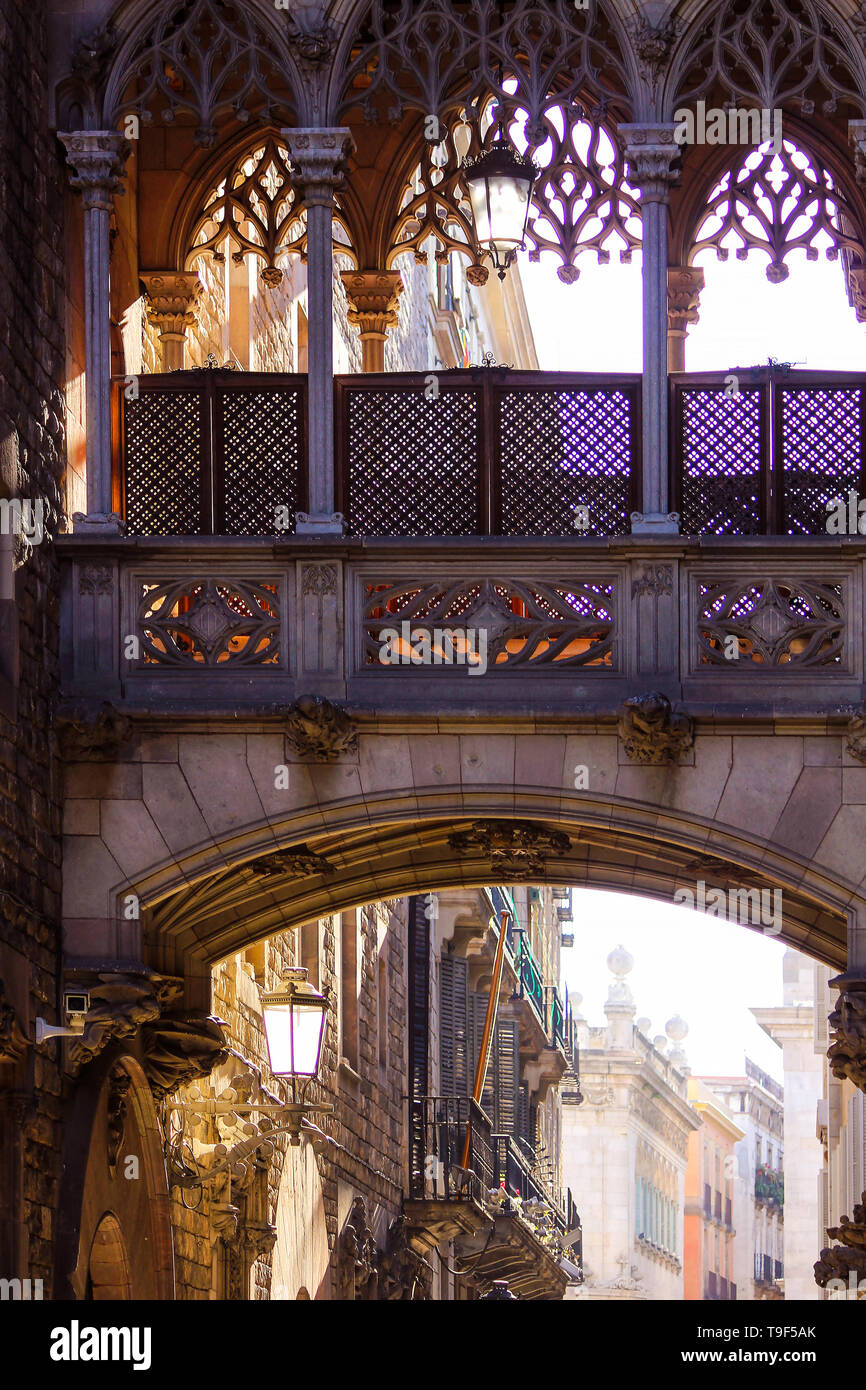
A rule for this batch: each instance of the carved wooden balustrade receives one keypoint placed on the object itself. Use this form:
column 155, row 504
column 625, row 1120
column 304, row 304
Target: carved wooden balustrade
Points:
column 525, row 625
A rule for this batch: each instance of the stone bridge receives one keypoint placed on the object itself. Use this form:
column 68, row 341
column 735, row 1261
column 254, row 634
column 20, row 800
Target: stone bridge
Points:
column 240, row 759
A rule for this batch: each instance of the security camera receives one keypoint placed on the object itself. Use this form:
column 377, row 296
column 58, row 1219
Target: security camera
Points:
column 76, row 1006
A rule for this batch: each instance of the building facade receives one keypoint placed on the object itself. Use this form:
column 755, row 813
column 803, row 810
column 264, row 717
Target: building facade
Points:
column 626, row 1127
column 245, row 425
column 710, row 1233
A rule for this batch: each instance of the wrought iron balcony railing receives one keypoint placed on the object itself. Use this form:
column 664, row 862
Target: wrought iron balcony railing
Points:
column 518, row 1166
column 438, row 1127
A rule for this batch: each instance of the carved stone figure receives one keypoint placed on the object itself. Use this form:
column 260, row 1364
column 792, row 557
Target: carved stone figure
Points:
column 179, row 1047
column 13, row 1043
column 84, row 737
column 404, row 1275
column 120, row 1003
column 840, row 1261
column 518, row 849
column 651, row 733
column 358, row 1264
column 320, row 730
column 289, row 863
column 847, row 1053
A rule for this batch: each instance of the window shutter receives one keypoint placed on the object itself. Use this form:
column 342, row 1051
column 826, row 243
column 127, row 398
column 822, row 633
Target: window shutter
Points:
column 507, row 1077
column 523, row 1111
column 453, row 1026
column 419, row 997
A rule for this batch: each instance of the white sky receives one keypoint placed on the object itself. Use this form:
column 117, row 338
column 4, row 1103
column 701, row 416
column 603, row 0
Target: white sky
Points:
column 595, row 324
column 708, row 971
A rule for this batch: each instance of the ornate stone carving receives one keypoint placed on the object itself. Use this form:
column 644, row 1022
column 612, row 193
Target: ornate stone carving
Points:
column 776, row 622
column 404, row 1275
column 653, row 579
column 288, row 863
column 516, row 849
column 841, row 1261
column 320, row 730
column 118, row 1090
column 651, row 733
column 847, row 1053
column 313, row 46
column 685, row 283
column 196, row 622
column 318, row 159
column 665, row 1127
column 172, row 299
column 357, row 1270
column 85, row 737
column 856, row 739
column 97, row 158
column 653, row 44
column 179, row 1047
column 374, row 297
column 95, row 579
column 319, row 580
column 555, row 624
column 120, row 1003
column 172, row 70
column 652, row 155
column 13, row 1043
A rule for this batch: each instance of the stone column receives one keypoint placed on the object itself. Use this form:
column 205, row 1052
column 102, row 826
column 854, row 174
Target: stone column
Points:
column 97, row 158
column 685, row 283
column 318, row 157
column 373, row 297
column 651, row 151
column 172, row 300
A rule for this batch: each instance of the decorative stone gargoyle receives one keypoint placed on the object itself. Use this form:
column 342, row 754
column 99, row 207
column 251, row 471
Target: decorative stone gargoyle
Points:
column 847, row 1052
column 179, row 1047
column 13, row 1043
column 856, row 741
column 121, row 1001
column 841, row 1261
column 404, row 1275
column 357, row 1270
column 320, row 730
column 651, row 732
column 298, row 862
column 518, row 849
column 87, row 737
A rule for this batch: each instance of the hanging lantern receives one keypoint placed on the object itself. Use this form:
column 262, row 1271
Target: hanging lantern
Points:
column 500, row 183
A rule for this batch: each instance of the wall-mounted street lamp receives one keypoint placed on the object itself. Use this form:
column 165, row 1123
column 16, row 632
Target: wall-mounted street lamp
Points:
column 294, row 1022
column 500, row 183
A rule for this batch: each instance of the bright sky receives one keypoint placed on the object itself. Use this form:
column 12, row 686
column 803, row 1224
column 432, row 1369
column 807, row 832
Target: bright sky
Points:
column 708, row 971
column 595, row 324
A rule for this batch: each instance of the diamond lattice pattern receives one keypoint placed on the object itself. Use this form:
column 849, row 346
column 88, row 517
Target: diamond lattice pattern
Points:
column 413, row 463
column 562, row 451
column 163, row 449
column 720, row 452
column 821, row 451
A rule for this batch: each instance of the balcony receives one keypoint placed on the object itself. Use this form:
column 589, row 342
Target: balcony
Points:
column 447, row 1196
column 493, row 452
column 769, row 1187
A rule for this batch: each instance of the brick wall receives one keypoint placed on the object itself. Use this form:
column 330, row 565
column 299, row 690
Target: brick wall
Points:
column 32, row 452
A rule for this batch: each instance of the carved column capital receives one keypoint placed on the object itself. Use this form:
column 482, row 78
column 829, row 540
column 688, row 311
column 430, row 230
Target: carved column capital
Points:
column 857, row 141
column 97, row 159
column 373, row 296
column 652, row 154
column 319, row 158
column 172, row 299
column 685, row 283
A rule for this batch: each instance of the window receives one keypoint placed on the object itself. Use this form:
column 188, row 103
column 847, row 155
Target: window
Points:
column 382, row 1003
column 309, row 951
column 349, row 962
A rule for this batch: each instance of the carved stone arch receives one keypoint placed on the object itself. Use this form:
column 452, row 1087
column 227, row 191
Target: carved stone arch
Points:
column 722, row 53
column 259, row 75
column 434, row 59
column 704, row 167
